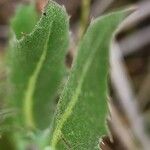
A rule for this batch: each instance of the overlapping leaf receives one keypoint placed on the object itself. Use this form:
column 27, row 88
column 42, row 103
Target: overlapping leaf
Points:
column 25, row 19
column 80, row 117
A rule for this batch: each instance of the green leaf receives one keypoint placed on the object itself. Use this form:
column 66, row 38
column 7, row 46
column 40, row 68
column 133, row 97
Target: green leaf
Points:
column 36, row 68
column 25, row 19
column 81, row 112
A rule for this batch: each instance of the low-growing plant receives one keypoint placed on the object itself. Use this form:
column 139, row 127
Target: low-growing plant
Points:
column 37, row 78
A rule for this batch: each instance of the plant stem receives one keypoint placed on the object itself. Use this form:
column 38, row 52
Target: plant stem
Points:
column 85, row 11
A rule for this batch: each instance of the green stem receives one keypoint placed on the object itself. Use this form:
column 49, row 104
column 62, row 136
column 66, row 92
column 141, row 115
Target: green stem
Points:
column 85, row 11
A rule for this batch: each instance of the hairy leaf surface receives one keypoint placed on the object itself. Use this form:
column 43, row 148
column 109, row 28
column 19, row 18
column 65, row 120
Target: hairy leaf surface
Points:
column 80, row 117
column 36, row 67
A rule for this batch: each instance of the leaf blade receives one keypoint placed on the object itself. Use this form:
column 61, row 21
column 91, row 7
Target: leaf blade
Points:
column 72, row 126
column 21, row 23
column 35, row 75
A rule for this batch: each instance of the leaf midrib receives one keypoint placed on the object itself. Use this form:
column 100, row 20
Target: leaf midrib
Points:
column 31, row 86
column 74, row 99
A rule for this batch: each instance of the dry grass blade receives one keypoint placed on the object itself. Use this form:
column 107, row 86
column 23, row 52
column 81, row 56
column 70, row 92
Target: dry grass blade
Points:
column 132, row 36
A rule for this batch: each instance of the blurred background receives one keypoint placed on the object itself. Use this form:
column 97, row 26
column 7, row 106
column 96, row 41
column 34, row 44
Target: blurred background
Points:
column 77, row 9
column 133, row 40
